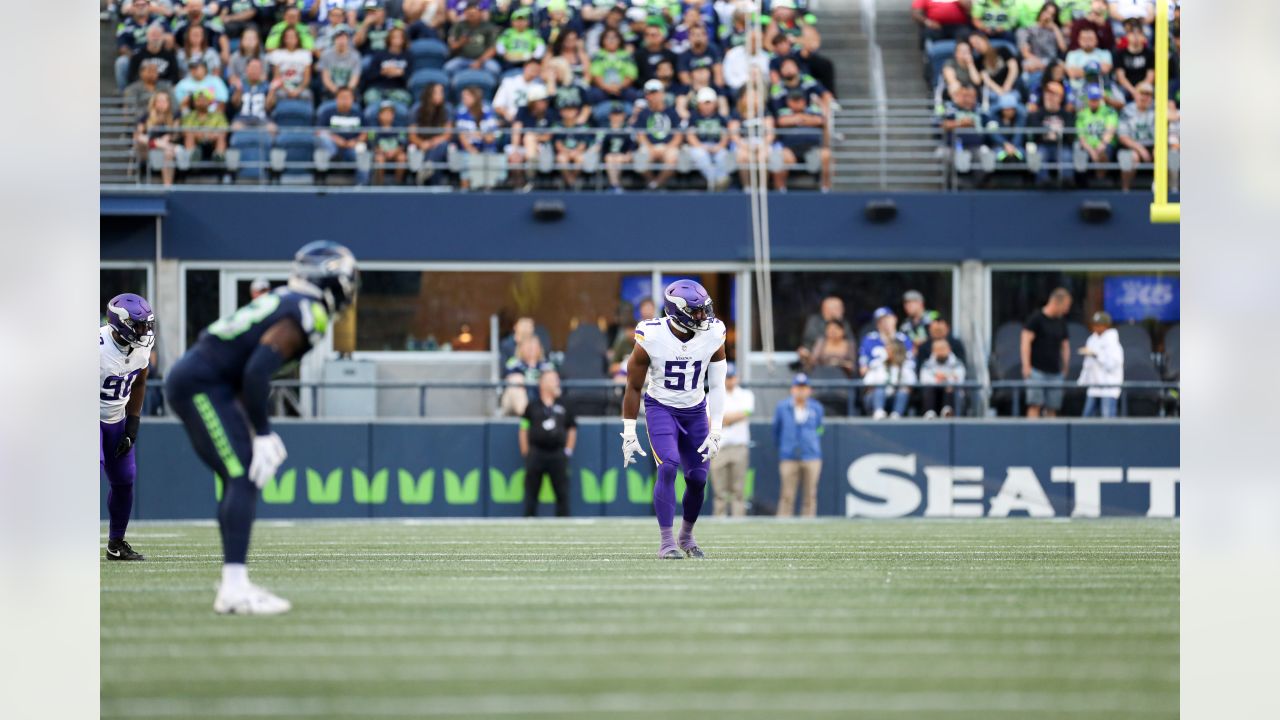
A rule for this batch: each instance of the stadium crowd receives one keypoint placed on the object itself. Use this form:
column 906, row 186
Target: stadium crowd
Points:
column 1045, row 86
column 480, row 92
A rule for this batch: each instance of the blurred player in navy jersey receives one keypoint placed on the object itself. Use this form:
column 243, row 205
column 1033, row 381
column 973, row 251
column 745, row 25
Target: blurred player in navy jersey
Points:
column 220, row 390
column 124, row 352
column 673, row 352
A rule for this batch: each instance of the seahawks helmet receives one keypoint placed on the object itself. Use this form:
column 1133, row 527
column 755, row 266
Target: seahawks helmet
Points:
column 688, row 305
column 326, row 270
column 133, row 320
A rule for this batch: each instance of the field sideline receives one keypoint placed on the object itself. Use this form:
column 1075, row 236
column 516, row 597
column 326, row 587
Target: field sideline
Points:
column 549, row 619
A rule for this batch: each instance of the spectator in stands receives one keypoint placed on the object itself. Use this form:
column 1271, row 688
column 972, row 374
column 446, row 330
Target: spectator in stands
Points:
column 791, row 77
column 548, row 433
column 755, row 134
column 614, row 19
column 1007, row 124
column 154, row 52
column 340, row 135
column 1094, row 19
column 457, row 8
column 815, row 326
column 733, row 32
column 519, row 42
column 522, row 372
column 325, row 34
column 1088, row 52
column 472, row 42
column 389, row 71
column 1054, row 145
column 995, row 18
column 1103, row 369
column 253, row 98
column 660, row 134
column 709, row 137
column 729, row 467
column 653, row 50
column 557, row 20
column 885, row 364
column 1137, row 134
column 196, row 47
column 1096, row 125
column 617, row 147
column 633, row 30
column 204, row 129
column 569, row 91
column 1136, row 63
column 666, row 74
column 572, row 142
column 1142, row 11
column 131, row 35
column 961, row 116
column 291, row 66
column 513, row 92
column 339, row 64
column 371, row 35
column 388, row 143
column 137, row 95
column 942, row 19
column 431, row 128
column 195, row 17
column 569, row 48
column 625, row 340
column 531, row 133
column 292, row 20
column 250, row 48
column 198, row 80
column 1056, row 73
column 238, row 16
column 1071, row 10
column 915, row 321
column 801, row 126
column 744, row 63
column 701, row 53
column 960, row 69
column 939, row 374
column 155, row 132
column 1046, row 354
column 940, row 329
column 999, row 69
column 476, row 126
column 687, row 101
column 797, row 433
column 804, row 33
column 833, row 349
column 1041, row 44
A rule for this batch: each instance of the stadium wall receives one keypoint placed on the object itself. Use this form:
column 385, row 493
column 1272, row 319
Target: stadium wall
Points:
column 664, row 227
column 947, row 469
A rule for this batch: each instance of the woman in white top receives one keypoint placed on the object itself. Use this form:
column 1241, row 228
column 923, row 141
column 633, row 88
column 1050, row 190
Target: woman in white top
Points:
column 291, row 65
column 1103, row 367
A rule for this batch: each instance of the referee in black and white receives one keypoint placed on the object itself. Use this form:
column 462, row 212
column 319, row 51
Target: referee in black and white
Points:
column 548, row 433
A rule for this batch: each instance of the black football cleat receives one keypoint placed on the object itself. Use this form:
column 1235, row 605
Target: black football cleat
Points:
column 670, row 553
column 120, row 550
column 693, row 551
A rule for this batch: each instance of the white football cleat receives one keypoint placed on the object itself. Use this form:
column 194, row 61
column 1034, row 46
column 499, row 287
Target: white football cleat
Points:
column 249, row 599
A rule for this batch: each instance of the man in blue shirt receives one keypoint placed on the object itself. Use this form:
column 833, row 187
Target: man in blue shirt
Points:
column 660, row 133
column 797, row 431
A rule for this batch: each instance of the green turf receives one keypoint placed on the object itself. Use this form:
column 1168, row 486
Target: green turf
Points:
column 913, row 618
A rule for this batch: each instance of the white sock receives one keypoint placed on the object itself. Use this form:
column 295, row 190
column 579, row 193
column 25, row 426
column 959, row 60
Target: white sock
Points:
column 235, row 575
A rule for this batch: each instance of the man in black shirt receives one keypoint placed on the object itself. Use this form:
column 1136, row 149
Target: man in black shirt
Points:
column 548, row 432
column 653, row 50
column 1046, row 354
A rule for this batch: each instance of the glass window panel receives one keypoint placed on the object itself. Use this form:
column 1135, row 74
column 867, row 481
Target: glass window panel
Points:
column 113, row 281
column 202, row 301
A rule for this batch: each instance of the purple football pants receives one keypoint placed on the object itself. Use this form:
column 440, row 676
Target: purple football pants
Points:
column 674, row 437
column 120, row 472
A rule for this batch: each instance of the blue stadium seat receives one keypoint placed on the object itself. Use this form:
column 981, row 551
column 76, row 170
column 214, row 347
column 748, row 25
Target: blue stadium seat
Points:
column 402, row 115
column 298, row 146
column 477, row 78
column 293, row 113
column 253, row 146
column 428, row 54
column 427, row 76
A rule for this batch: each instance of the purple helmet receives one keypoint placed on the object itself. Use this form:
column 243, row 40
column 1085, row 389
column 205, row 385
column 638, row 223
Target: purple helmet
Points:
column 133, row 320
column 688, row 304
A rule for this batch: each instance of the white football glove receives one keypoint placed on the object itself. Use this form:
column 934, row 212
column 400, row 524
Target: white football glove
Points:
column 268, row 454
column 710, row 447
column 630, row 443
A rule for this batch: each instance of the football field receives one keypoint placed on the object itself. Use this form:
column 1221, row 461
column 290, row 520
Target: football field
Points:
column 578, row 619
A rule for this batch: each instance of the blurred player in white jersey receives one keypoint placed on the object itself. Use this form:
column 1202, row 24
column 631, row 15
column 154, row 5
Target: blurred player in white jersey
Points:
column 124, row 354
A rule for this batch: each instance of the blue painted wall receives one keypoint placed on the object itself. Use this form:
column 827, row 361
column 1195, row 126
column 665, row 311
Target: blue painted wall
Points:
column 930, row 227
column 472, row 469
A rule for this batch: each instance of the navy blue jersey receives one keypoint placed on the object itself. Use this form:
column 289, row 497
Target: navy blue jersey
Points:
column 617, row 141
column 709, row 128
column 226, row 345
column 659, row 125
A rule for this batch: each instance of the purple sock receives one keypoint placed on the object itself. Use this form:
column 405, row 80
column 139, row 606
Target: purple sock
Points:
column 686, row 532
column 664, row 496
column 667, row 540
column 119, row 506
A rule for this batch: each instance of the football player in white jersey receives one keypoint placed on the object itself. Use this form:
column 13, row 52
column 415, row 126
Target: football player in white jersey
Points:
column 124, row 352
column 677, row 353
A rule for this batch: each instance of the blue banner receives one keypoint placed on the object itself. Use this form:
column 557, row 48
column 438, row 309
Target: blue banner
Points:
column 1134, row 298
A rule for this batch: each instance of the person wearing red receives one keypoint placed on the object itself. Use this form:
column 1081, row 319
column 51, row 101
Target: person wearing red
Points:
column 942, row 19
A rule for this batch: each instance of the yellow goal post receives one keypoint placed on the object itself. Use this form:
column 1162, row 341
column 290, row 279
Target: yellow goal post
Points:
column 1163, row 211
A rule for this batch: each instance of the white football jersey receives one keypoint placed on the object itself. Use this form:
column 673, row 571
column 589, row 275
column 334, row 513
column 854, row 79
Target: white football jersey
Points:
column 678, row 369
column 117, row 370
